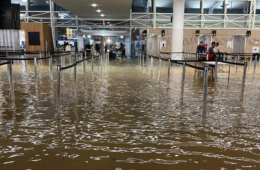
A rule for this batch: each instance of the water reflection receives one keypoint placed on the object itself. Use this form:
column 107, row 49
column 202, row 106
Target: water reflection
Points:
column 127, row 120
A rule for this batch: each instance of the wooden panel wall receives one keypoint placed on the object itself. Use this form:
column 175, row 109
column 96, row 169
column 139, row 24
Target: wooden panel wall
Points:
column 45, row 33
column 190, row 40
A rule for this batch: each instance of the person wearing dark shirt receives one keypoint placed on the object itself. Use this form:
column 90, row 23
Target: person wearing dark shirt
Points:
column 88, row 47
column 201, row 48
column 212, row 52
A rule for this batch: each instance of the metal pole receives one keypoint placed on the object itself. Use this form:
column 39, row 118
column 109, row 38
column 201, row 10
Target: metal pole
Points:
column 237, row 62
column 140, row 59
column 243, row 82
column 159, row 73
column 70, row 61
column 205, row 91
column 169, row 72
column 143, row 59
column 84, row 70
column 250, row 62
column 228, row 74
column 216, row 73
column 255, row 64
column 75, row 78
column 98, row 62
column 188, row 55
column 25, row 64
column 50, row 66
column 35, row 72
column 92, row 68
column 58, row 88
column 151, row 66
column 183, row 80
column 101, row 63
column 10, row 71
column 147, row 63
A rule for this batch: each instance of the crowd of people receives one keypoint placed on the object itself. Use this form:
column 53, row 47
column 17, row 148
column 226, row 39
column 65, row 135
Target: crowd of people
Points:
column 209, row 54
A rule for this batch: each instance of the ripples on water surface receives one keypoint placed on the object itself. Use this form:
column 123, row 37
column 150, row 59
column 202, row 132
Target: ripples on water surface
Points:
column 127, row 120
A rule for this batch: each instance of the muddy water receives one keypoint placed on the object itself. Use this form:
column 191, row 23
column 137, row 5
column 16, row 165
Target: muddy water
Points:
column 126, row 120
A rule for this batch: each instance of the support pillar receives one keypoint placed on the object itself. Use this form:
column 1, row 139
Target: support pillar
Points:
column 177, row 29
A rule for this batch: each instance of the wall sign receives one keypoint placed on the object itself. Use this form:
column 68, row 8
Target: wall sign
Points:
column 256, row 42
column 255, row 50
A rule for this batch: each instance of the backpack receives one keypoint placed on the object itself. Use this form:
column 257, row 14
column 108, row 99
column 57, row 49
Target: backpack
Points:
column 208, row 54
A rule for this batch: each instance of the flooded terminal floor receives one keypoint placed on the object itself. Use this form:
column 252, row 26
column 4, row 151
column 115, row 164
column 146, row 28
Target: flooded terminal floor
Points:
column 126, row 120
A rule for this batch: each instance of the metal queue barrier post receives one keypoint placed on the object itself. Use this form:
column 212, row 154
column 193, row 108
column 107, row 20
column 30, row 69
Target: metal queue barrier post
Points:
column 243, row 82
column 216, row 73
column 92, row 68
column 101, row 63
column 159, row 72
column 151, row 66
column 169, row 73
column 205, row 91
column 229, row 74
column 84, row 70
column 58, row 87
column 183, row 80
column 250, row 62
column 98, row 62
column 147, row 62
column 70, row 61
column 143, row 59
column 75, row 78
column 140, row 58
column 10, row 71
column 237, row 62
column 50, row 68
column 35, row 72
column 255, row 65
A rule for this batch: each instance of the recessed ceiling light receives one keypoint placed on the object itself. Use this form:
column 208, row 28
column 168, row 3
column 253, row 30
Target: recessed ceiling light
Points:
column 102, row 15
column 94, row 5
column 98, row 10
column 24, row 0
column 108, row 22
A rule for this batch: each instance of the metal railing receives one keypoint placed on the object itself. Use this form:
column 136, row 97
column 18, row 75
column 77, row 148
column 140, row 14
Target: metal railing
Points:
column 184, row 63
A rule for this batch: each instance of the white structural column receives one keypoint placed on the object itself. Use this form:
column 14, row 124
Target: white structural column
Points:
column 154, row 14
column 53, row 25
column 177, row 29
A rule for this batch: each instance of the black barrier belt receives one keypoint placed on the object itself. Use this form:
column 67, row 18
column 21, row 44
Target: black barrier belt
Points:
column 199, row 68
column 16, row 59
column 240, row 64
column 43, row 58
column 67, row 67
column 5, row 63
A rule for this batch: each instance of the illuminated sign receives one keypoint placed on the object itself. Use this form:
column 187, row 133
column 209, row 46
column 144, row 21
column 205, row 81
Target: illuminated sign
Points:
column 69, row 33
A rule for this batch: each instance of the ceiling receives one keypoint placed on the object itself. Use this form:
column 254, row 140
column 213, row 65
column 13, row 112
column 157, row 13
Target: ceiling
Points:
column 110, row 8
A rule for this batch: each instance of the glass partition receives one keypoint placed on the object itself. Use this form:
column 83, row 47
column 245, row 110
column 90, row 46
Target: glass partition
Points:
column 142, row 6
column 164, row 6
column 238, row 7
column 214, row 7
column 39, row 5
column 193, row 7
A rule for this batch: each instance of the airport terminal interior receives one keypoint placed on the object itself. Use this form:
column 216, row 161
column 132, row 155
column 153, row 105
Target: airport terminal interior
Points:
column 129, row 85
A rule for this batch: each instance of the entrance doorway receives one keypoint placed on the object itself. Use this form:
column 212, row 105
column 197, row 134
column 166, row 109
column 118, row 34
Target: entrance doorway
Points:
column 239, row 43
column 206, row 38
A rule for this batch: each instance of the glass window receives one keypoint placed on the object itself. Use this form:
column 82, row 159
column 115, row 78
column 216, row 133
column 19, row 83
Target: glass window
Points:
column 22, row 4
column 258, row 7
column 238, row 7
column 142, row 6
column 39, row 5
column 164, row 6
column 193, row 7
column 214, row 7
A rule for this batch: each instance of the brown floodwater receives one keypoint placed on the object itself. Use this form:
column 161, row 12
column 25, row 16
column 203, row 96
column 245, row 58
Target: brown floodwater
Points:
column 126, row 120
